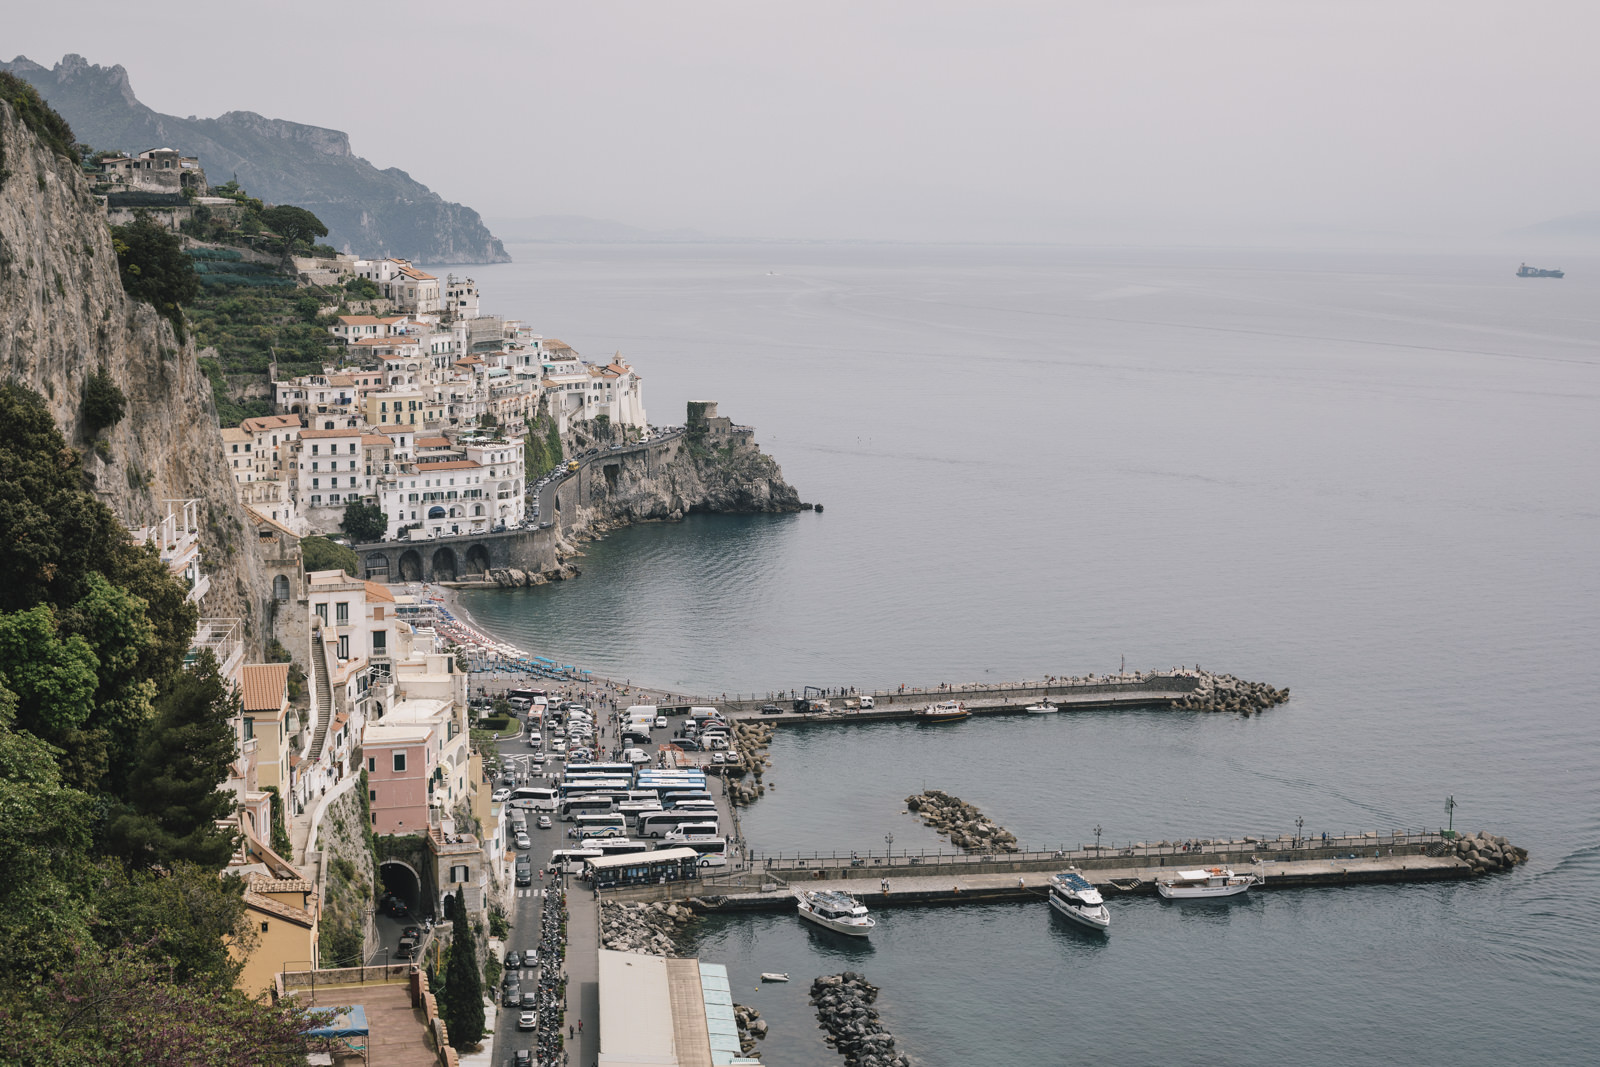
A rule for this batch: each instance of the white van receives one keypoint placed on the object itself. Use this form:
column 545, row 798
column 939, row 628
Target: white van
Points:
column 692, row 831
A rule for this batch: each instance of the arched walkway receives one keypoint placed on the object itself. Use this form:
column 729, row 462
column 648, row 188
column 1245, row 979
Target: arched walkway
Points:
column 444, row 565
column 411, row 565
column 477, row 559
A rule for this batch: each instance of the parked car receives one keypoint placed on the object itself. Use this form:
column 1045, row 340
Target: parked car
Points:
column 528, row 1020
column 688, row 744
column 661, row 722
column 523, row 842
column 513, row 959
column 771, row 709
column 524, row 871
column 512, row 995
column 544, row 822
column 501, row 794
column 523, row 1057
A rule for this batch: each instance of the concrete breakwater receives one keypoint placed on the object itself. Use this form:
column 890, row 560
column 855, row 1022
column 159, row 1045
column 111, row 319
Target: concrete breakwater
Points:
column 963, row 824
column 844, row 1008
column 645, row 928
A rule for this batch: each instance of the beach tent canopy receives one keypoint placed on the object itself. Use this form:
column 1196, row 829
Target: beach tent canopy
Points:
column 348, row 1022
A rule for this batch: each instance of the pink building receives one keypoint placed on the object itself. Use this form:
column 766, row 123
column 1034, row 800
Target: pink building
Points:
column 403, row 759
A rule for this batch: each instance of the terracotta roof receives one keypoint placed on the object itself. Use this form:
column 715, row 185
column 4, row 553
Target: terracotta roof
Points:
column 258, row 517
column 376, row 439
column 453, row 465
column 398, row 339
column 235, row 433
column 412, row 272
column 369, row 320
column 433, row 442
column 269, row 422
column 341, row 379
column 258, row 902
column 379, row 593
column 265, row 685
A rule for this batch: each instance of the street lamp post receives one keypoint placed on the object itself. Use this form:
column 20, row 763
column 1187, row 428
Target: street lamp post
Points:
column 888, row 839
column 1097, row 837
column 1450, row 811
column 1299, row 827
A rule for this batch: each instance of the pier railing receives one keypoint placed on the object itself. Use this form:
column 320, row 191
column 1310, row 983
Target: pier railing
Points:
column 1175, row 682
column 1248, row 848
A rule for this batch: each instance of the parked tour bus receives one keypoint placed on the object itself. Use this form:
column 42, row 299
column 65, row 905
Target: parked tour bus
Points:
column 618, row 846
column 657, row 824
column 601, row 825
column 633, row 809
column 572, row 807
column 689, row 831
column 571, row 860
column 678, row 797
column 713, row 851
column 533, row 798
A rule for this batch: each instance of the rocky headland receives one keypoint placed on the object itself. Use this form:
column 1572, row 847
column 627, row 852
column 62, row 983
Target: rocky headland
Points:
column 1489, row 853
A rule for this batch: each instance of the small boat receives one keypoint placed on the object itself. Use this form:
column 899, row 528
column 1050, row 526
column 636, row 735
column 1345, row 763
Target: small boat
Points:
column 773, row 976
column 944, row 711
column 836, row 911
column 1044, row 707
column 1204, row 884
column 1075, row 896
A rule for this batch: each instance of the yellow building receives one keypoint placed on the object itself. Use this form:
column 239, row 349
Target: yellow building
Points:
column 265, row 692
column 282, row 909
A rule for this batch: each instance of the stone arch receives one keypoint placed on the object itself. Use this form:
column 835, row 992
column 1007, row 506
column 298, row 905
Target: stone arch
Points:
column 477, row 559
column 377, row 566
column 411, row 565
column 401, row 879
column 444, row 564
column 280, row 587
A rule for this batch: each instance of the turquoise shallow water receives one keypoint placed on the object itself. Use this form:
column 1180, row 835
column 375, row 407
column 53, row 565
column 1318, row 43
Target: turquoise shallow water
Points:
column 1370, row 480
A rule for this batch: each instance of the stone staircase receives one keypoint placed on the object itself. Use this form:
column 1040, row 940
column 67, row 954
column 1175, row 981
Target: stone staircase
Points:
column 322, row 701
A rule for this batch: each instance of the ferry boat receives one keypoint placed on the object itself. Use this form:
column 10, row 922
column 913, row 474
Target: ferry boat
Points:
column 1075, row 896
column 1526, row 271
column 1044, row 707
column 1205, row 884
column 836, row 911
column 944, row 711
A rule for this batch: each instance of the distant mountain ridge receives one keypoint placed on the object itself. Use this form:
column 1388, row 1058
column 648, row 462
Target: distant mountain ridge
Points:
column 368, row 211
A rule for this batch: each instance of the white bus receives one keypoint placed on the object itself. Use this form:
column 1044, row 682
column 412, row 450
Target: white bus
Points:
column 572, row 807
column 693, row 831
column 601, row 826
column 571, row 860
column 658, row 823
column 713, row 850
column 633, row 809
column 618, row 846
column 533, row 798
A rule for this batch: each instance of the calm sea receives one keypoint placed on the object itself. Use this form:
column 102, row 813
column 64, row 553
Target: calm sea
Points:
column 1373, row 479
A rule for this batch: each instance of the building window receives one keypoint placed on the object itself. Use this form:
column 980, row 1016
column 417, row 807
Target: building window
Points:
column 263, row 927
column 380, row 641
column 344, row 647
column 372, row 763
column 372, row 795
column 322, row 612
column 399, row 761
column 341, row 613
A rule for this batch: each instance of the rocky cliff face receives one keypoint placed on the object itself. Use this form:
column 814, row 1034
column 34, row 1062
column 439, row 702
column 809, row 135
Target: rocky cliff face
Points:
column 368, row 211
column 65, row 315
column 736, row 479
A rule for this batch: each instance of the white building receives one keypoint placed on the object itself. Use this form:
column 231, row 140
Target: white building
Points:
column 329, row 468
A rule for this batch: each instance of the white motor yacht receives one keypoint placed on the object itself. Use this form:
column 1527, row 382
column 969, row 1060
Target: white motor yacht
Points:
column 1075, row 896
column 836, row 911
column 1204, row 884
column 1044, row 707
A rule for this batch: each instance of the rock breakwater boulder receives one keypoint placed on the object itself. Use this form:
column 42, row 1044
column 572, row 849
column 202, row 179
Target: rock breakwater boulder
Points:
column 1489, row 854
column 745, row 775
column 844, row 1008
column 963, row 824
column 1224, row 692
column 649, row 929
column 752, row 1028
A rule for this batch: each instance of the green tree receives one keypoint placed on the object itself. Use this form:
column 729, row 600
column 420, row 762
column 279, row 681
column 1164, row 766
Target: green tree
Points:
column 182, row 915
column 154, row 268
column 364, row 523
column 53, row 678
column 362, row 289
column 103, row 403
column 181, row 758
column 321, row 554
column 463, row 988
column 293, row 224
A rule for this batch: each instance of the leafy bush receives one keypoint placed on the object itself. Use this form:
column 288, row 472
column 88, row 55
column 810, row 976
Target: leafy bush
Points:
column 103, row 403
column 321, row 554
column 154, row 268
column 37, row 116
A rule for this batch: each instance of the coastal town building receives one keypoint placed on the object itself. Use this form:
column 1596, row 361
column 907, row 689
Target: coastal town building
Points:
column 283, row 909
column 264, row 709
column 411, row 290
column 163, row 170
column 176, row 536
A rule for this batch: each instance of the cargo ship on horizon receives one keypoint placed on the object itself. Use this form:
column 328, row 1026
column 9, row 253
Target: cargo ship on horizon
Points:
column 1526, row 271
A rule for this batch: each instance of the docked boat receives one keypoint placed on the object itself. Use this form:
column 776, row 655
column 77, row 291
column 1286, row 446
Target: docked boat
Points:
column 1075, row 896
column 1044, row 707
column 944, row 711
column 836, row 911
column 1204, row 884
column 773, row 976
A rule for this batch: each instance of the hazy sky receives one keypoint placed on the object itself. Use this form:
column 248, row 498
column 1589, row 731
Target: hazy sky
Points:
column 920, row 120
